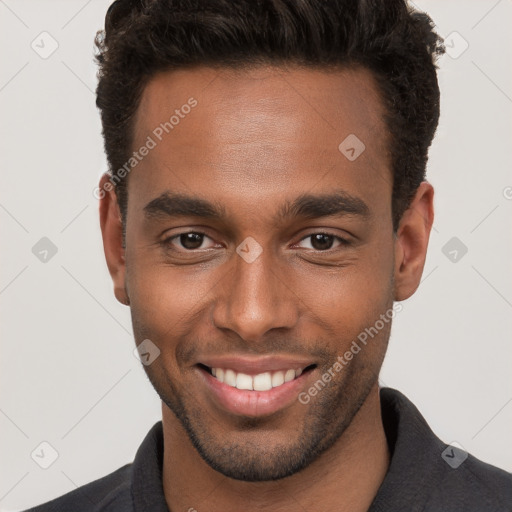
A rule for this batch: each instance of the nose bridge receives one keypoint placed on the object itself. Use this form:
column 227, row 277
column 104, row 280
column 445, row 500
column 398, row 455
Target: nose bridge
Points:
column 256, row 298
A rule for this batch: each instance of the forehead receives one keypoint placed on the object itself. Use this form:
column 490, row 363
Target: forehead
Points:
column 263, row 131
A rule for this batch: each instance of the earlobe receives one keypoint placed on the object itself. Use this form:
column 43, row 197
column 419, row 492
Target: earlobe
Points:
column 412, row 241
column 112, row 234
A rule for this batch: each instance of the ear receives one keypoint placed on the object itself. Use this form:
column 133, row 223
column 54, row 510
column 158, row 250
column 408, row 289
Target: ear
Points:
column 112, row 234
column 411, row 242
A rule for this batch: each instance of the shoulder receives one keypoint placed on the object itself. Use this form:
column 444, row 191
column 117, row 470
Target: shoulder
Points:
column 474, row 485
column 110, row 493
column 428, row 473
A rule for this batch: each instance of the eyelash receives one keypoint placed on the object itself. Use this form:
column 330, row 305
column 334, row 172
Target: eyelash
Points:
column 167, row 243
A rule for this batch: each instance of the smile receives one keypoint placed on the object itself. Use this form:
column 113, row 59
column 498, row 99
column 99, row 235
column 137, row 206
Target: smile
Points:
column 260, row 382
column 254, row 389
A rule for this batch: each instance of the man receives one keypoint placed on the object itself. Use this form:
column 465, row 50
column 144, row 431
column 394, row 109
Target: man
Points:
column 266, row 211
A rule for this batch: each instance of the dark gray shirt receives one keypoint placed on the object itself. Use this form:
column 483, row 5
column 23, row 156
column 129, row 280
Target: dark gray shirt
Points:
column 425, row 474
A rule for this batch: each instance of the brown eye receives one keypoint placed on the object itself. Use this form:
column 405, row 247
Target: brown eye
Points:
column 321, row 241
column 324, row 241
column 186, row 241
column 191, row 240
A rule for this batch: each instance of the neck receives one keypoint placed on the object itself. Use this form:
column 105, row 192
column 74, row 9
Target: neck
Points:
column 345, row 477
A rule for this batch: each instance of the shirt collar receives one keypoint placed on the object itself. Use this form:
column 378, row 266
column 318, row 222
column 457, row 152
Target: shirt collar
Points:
column 415, row 455
column 147, row 486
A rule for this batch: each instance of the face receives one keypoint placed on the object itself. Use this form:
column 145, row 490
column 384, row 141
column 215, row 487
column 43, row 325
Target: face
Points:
column 256, row 253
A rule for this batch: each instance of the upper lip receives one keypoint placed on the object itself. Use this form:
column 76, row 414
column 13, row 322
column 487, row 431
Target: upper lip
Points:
column 256, row 365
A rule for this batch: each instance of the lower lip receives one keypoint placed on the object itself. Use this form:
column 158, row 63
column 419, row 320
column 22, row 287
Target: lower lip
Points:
column 254, row 403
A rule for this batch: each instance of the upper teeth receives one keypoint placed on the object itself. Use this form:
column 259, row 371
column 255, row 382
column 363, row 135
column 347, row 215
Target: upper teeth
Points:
column 260, row 382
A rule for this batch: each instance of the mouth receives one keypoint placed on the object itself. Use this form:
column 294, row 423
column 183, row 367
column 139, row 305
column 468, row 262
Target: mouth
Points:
column 254, row 392
column 264, row 381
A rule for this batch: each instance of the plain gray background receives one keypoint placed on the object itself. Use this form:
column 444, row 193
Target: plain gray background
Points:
column 68, row 374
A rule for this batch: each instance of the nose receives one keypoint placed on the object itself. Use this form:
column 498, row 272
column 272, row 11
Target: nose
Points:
column 255, row 299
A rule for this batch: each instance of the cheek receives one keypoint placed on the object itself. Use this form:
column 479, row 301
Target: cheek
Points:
column 349, row 299
column 163, row 298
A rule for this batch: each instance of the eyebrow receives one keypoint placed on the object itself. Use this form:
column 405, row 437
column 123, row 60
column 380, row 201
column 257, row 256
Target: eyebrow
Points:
column 308, row 206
